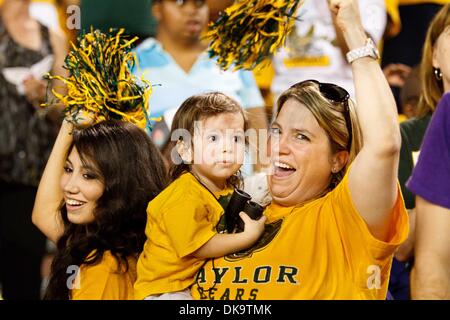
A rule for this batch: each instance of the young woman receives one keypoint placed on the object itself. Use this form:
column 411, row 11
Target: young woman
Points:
column 91, row 202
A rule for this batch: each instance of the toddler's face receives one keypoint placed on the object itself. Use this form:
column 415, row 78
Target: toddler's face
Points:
column 219, row 146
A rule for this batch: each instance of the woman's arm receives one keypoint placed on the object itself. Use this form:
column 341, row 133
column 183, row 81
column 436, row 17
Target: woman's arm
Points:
column 373, row 176
column 46, row 214
column 430, row 278
column 222, row 244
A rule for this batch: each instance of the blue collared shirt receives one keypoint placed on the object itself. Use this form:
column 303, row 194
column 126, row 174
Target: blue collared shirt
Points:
column 172, row 85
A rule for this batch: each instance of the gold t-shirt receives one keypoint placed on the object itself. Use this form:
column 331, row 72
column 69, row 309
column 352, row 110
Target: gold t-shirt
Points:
column 180, row 220
column 320, row 250
column 104, row 281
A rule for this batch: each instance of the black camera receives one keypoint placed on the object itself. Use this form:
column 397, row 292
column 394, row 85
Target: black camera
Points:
column 241, row 201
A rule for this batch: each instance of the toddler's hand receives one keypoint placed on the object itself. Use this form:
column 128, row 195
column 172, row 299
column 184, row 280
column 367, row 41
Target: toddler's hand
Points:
column 253, row 229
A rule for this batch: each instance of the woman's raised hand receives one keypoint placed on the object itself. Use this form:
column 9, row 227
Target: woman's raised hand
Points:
column 346, row 14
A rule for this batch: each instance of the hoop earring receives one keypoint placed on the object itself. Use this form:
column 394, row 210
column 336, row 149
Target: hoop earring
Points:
column 438, row 74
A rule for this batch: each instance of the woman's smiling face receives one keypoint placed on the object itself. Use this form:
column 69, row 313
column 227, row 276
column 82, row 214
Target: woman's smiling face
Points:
column 82, row 187
column 300, row 154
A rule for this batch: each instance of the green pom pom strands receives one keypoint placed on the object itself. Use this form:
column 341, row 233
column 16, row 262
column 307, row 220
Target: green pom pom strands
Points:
column 250, row 31
column 101, row 83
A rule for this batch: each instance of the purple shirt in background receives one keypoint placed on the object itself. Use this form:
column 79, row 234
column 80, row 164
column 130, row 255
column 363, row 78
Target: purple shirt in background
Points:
column 431, row 176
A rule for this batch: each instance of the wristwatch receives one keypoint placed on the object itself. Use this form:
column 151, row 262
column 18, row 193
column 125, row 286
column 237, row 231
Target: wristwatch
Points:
column 369, row 50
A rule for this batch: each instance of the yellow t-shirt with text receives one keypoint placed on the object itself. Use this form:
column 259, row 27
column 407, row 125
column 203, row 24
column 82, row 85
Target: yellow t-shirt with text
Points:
column 320, row 250
column 104, row 281
column 180, row 220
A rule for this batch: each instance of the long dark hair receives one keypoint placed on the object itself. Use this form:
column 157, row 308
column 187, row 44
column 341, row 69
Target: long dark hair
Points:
column 133, row 173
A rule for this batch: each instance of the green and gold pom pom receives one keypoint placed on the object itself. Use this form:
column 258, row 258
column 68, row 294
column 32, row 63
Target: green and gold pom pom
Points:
column 101, row 82
column 250, row 31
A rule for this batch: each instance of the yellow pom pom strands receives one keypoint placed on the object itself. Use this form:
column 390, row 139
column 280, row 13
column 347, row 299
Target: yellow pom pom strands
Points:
column 101, row 83
column 250, row 31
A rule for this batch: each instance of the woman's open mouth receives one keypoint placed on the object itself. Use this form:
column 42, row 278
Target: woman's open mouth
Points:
column 282, row 170
column 72, row 204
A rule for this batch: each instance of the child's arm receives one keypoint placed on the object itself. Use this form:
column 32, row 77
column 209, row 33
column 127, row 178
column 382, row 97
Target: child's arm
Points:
column 223, row 244
column 49, row 195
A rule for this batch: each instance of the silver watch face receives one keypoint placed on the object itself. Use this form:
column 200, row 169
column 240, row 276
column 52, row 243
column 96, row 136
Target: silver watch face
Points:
column 369, row 50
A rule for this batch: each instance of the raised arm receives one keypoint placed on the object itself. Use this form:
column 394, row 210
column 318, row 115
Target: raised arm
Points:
column 374, row 22
column 49, row 195
column 373, row 176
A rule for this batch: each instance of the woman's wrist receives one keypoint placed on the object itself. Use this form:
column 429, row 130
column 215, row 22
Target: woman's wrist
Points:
column 67, row 126
column 355, row 37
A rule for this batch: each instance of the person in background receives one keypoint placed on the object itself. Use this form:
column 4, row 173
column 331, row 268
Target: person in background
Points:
column 26, row 136
column 138, row 20
column 434, row 75
column 407, row 25
column 430, row 182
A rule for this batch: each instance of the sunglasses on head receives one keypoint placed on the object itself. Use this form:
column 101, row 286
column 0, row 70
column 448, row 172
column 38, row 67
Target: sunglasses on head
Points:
column 334, row 94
